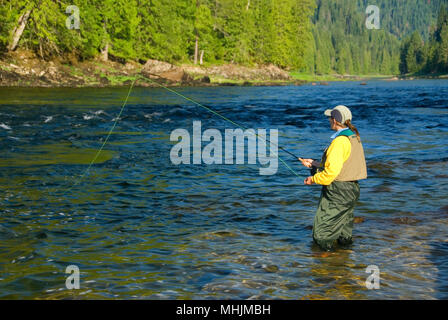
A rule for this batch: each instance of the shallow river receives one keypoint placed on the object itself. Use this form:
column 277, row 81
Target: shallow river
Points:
column 138, row 226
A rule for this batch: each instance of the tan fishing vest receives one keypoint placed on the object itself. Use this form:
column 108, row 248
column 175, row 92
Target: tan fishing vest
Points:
column 354, row 168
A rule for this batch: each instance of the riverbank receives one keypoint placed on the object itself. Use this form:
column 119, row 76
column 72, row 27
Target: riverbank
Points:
column 322, row 79
column 336, row 77
column 22, row 68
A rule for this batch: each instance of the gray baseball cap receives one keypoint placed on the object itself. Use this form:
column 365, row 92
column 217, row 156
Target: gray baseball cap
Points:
column 339, row 113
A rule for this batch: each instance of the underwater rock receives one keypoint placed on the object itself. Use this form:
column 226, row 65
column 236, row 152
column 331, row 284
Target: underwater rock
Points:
column 270, row 268
column 359, row 219
column 41, row 235
column 444, row 210
column 405, row 220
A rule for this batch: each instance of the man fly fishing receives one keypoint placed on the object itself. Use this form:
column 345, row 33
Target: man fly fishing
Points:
column 342, row 165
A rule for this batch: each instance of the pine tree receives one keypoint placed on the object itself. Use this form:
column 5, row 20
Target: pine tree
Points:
column 413, row 54
column 442, row 50
column 385, row 63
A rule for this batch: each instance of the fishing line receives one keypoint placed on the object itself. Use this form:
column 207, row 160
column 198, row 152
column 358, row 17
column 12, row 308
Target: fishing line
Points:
column 216, row 113
column 107, row 137
column 228, row 120
column 188, row 99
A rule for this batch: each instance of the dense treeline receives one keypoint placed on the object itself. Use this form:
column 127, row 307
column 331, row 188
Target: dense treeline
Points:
column 240, row 31
column 403, row 17
column 345, row 45
column 316, row 36
column 431, row 56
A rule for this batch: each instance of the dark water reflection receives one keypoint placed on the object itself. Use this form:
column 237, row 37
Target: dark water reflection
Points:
column 140, row 227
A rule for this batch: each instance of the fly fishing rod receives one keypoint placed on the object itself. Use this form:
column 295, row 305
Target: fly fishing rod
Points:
column 214, row 112
column 265, row 140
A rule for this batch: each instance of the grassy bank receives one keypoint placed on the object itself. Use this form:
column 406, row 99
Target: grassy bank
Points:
column 336, row 77
column 301, row 76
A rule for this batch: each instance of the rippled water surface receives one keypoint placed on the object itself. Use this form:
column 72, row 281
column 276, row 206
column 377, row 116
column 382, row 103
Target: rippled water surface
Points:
column 138, row 226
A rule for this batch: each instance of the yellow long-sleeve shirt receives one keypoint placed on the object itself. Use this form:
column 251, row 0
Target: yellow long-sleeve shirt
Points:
column 337, row 153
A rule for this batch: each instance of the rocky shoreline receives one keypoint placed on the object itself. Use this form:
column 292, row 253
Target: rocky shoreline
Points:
column 23, row 69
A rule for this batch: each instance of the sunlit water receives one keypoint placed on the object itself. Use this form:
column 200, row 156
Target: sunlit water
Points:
column 138, row 226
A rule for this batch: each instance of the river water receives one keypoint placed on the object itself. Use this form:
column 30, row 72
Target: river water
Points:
column 139, row 227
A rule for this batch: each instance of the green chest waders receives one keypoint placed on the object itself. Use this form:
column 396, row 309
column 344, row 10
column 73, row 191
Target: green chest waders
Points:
column 334, row 217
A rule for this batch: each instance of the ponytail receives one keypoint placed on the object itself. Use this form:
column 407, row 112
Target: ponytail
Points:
column 349, row 124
